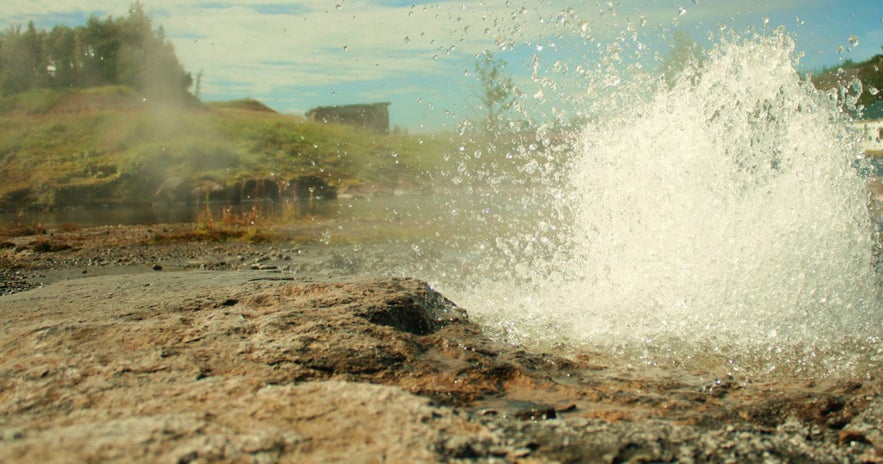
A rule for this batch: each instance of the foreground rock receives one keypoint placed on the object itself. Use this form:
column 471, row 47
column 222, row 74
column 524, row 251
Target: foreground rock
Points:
column 255, row 367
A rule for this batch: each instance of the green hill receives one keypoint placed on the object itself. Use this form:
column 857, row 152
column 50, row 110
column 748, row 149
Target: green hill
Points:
column 111, row 146
column 869, row 73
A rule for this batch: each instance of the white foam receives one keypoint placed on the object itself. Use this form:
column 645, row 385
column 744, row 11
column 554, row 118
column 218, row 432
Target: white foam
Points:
column 721, row 215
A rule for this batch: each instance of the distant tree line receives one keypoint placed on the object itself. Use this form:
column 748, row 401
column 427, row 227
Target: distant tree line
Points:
column 111, row 51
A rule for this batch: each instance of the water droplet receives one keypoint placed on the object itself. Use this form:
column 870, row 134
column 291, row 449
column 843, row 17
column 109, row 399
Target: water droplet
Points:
column 853, row 40
column 407, row 39
column 856, row 85
column 539, row 48
column 873, row 90
column 584, row 26
column 346, row 48
column 682, row 11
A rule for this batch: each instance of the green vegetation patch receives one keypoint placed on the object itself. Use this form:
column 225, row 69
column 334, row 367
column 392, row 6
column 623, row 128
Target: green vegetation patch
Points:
column 108, row 146
column 245, row 104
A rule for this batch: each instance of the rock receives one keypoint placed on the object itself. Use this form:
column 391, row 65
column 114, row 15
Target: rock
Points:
column 251, row 366
column 13, row 281
column 204, row 366
column 329, row 421
column 867, row 428
column 173, row 190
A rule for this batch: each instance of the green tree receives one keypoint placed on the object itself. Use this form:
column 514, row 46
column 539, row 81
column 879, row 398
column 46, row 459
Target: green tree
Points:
column 146, row 59
column 125, row 51
column 32, row 42
column 685, row 55
column 101, row 45
column 62, row 50
column 22, row 61
column 197, row 86
column 496, row 92
column 13, row 77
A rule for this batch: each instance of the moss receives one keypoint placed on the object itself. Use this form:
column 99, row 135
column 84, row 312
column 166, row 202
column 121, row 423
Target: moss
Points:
column 215, row 234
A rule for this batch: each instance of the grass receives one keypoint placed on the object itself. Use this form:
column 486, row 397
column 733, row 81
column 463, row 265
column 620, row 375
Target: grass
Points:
column 107, row 146
column 249, row 104
column 213, row 235
column 32, row 102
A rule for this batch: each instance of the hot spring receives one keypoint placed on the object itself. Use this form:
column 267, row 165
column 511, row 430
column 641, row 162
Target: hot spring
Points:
column 717, row 222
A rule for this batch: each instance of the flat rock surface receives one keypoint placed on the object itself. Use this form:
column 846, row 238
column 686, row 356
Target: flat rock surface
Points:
column 255, row 366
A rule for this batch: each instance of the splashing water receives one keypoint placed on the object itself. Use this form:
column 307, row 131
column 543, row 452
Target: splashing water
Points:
column 720, row 219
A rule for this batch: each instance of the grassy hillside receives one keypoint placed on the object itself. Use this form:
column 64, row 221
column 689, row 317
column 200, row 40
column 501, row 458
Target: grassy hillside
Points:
column 869, row 73
column 110, row 146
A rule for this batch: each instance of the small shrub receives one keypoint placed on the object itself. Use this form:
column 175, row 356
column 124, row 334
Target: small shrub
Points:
column 45, row 246
column 22, row 231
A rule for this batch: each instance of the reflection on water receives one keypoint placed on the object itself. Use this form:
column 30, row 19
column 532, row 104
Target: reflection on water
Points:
column 88, row 217
column 394, row 208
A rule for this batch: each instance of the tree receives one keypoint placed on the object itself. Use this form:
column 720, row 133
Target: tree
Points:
column 101, row 44
column 13, row 63
column 22, row 61
column 496, row 91
column 62, row 50
column 685, row 54
column 197, row 86
column 126, row 51
column 147, row 60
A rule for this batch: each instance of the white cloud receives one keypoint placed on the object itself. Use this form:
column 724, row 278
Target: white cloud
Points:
column 257, row 47
column 363, row 40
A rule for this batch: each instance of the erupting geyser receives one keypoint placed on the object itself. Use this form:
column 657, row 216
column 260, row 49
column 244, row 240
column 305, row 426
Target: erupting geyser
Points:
column 720, row 220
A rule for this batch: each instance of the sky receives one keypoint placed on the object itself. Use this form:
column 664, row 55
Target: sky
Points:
column 419, row 55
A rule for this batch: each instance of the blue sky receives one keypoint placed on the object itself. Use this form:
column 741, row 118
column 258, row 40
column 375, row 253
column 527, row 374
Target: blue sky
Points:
column 419, row 54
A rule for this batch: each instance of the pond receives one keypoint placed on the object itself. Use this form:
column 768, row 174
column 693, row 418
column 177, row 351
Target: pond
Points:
column 351, row 208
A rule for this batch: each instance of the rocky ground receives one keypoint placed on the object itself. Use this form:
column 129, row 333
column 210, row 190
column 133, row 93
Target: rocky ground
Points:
column 134, row 344
column 32, row 258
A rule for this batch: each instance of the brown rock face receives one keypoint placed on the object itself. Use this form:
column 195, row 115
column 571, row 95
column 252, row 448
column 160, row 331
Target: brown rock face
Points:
column 256, row 367
column 178, row 367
